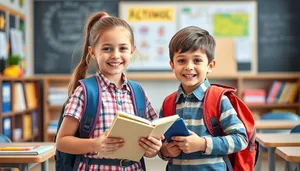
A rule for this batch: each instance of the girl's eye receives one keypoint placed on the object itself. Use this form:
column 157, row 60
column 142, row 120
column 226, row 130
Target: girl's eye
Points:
column 107, row 49
column 123, row 48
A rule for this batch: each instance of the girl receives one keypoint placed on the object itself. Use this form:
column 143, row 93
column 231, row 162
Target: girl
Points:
column 110, row 42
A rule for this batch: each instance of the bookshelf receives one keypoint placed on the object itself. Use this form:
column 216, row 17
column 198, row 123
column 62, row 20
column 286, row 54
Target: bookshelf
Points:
column 20, row 113
column 241, row 82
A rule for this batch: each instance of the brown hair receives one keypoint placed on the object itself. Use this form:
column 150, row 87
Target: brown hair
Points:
column 96, row 25
column 192, row 38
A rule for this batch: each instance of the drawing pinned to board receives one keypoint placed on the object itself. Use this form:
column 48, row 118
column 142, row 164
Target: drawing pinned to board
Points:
column 153, row 28
column 234, row 20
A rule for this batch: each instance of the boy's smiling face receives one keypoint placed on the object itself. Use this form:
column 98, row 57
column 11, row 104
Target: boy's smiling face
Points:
column 191, row 68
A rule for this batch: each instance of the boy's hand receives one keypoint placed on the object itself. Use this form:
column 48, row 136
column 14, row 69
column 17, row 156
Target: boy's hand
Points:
column 151, row 145
column 170, row 149
column 107, row 145
column 190, row 144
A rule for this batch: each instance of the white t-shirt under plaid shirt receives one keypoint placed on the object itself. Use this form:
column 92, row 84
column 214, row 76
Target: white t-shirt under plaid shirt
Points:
column 113, row 99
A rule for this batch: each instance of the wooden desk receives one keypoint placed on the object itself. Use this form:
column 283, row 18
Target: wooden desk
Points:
column 24, row 162
column 275, row 124
column 271, row 141
column 290, row 154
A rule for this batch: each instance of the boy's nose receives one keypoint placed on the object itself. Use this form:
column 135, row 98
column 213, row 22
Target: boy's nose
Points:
column 189, row 66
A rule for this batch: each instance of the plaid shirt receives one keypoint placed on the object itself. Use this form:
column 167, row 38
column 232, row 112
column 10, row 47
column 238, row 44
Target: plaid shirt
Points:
column 113, row 99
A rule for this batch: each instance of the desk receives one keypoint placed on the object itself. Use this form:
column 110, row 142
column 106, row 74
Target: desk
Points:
column 290, row 154
column 275, row 124
column 271, row 141
column 24, row 162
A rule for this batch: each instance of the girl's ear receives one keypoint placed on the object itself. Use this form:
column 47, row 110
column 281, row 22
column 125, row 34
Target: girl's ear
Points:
column 211, row 65
column 91, row 52
column 172, row 65
column 133, row 49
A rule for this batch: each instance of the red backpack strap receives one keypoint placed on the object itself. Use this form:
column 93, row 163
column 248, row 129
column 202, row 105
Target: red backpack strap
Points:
column 212, row 105
column 169, row 104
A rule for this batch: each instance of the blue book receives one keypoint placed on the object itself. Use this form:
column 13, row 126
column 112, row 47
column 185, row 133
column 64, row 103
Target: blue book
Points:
column 6, row 97
column 177, row 129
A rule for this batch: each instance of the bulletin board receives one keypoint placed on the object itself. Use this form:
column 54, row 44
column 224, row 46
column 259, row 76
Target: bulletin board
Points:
column 154, row 23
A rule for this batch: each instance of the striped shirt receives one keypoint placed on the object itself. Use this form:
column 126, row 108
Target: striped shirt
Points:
column 189, row 107
column 113, row 99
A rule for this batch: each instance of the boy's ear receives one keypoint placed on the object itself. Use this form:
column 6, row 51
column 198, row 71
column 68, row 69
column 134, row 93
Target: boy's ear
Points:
column 91, row 52
column 171, row 65
column 211, row 65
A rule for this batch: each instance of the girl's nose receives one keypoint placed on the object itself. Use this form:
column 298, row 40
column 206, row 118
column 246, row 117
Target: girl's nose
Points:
column 116, row 53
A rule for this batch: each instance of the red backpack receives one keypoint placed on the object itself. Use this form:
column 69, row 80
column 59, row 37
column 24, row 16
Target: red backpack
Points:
column 242, row 160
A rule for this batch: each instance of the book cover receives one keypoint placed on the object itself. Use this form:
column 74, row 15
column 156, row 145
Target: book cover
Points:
column 6, row 97
column 131, row 128
column 177, row 129
column 26, row 150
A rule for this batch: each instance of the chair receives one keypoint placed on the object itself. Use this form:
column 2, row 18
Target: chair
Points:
column 291, row 166
column 296, row 129
column 4, row 139
column 279, row 116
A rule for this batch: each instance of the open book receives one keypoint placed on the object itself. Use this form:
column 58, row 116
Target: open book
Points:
column 25, row 150
column 131, row 128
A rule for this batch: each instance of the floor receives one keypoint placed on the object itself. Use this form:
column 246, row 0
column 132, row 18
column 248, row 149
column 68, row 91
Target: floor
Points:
column 156, row 164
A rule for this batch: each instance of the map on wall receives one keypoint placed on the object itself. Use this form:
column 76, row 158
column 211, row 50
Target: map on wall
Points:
column 226, row 20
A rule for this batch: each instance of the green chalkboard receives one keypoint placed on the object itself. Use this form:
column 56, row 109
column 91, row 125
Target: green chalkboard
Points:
column 58, row 32
column 278, row 35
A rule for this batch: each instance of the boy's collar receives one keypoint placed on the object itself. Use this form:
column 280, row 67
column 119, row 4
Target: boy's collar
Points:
column 199, row 92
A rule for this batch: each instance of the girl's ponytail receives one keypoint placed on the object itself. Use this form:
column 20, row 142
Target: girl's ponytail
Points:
column 81, row 69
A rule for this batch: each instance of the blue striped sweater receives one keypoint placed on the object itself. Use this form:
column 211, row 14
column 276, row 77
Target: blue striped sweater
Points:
column 189, row 107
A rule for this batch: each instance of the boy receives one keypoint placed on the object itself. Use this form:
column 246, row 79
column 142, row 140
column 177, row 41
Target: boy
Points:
column 191, row 58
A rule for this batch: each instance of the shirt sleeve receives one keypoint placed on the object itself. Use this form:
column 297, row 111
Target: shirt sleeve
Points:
column 235, row 139
column 74, row 107
column 150, row 111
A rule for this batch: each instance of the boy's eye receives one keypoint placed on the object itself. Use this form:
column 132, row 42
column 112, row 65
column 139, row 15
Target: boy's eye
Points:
column 198, row 60
column 180, row 60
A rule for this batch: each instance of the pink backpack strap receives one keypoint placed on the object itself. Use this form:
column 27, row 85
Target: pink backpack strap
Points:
column 212, row 105
column 169, row 104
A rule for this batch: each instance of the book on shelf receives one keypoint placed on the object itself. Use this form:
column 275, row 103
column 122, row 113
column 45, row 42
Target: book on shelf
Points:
column 177, row 129
column 6, row 97
column 131, row 128
column 25, row 150
column 18, row 103
column 31, row 96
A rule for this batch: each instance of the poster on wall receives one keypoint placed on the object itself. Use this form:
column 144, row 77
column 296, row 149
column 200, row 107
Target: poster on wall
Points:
column 154, row 24
column 153, row 27
column 227, row 20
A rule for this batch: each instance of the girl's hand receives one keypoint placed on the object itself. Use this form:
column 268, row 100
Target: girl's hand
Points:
column 107, row 145
column 190, row 144
column 151, row 145
column 170, row 149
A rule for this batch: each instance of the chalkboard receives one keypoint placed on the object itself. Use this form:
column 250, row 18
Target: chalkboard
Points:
column 58, row 32
column 278, row 35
